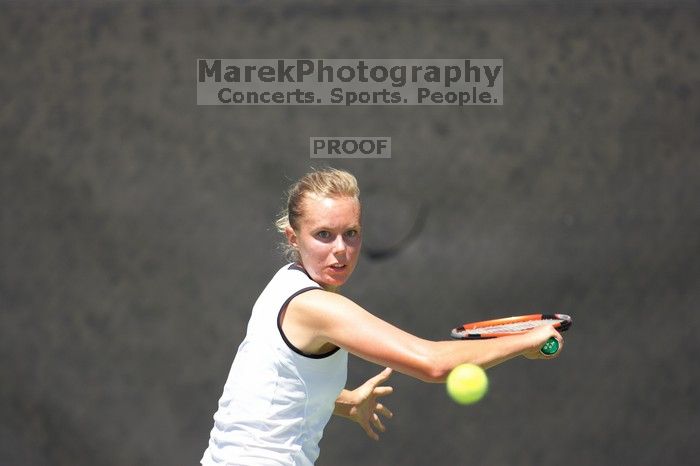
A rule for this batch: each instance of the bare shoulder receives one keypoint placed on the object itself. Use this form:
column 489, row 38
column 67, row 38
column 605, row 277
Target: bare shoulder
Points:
column 311, row 319
column 318, row 297
column 320, row 305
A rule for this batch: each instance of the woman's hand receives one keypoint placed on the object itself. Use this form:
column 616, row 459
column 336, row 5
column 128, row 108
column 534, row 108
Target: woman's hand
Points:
column 539, row 337
column 361, row 405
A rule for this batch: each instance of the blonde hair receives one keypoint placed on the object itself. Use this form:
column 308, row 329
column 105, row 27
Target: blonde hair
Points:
column 326, row 182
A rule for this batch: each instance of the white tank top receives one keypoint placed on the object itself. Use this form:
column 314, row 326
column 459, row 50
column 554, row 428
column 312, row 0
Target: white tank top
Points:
column 276, row 400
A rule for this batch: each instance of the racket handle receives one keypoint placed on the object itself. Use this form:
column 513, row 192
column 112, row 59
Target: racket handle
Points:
column 550, row 347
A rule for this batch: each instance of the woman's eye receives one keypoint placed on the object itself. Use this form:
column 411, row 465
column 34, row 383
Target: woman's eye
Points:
column 351, row 233
column 324, row 234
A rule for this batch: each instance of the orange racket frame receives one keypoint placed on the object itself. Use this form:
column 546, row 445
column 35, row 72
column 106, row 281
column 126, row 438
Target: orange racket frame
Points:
column 469, row 331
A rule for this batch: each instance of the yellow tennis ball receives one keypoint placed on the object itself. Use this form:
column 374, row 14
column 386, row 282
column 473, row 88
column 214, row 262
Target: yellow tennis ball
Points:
column 467, row 384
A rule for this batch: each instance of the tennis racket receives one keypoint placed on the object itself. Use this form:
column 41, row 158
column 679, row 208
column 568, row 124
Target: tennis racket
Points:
column 513, row 326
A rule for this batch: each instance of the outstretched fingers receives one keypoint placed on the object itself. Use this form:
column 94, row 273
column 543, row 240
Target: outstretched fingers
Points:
column 383, row 410
column 373, row 421
column 383, row 376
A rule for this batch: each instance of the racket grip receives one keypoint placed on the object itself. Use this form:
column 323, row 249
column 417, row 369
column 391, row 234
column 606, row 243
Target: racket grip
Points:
column 550, row 347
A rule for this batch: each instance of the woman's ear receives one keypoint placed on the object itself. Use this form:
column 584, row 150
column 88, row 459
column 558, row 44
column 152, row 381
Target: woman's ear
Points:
column 291, row 237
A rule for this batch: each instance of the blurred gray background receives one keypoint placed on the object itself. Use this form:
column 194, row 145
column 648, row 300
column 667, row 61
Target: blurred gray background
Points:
column 137, row 228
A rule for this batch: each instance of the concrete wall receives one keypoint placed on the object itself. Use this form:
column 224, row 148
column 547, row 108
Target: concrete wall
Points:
column 137, row 227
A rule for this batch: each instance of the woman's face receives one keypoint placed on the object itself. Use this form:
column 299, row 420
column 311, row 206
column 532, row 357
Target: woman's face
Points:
column 328, row 238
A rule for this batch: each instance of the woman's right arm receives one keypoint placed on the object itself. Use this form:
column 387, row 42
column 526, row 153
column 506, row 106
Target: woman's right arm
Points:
column 332, row 318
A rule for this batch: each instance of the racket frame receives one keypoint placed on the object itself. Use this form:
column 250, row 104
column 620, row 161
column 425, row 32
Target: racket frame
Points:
column 461, row 333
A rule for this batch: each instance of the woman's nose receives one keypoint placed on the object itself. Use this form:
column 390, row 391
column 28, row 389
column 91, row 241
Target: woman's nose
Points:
column 339, row 244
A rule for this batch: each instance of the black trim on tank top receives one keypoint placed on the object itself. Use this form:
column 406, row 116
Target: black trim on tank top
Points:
column 284, row 337
column 297, row 266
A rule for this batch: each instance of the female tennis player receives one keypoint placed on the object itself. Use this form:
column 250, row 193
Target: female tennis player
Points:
column 289, row 373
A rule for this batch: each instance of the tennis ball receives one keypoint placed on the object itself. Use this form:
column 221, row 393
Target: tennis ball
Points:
column 467, row 384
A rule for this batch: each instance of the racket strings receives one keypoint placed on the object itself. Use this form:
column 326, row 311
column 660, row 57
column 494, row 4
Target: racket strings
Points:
column 514, row 326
